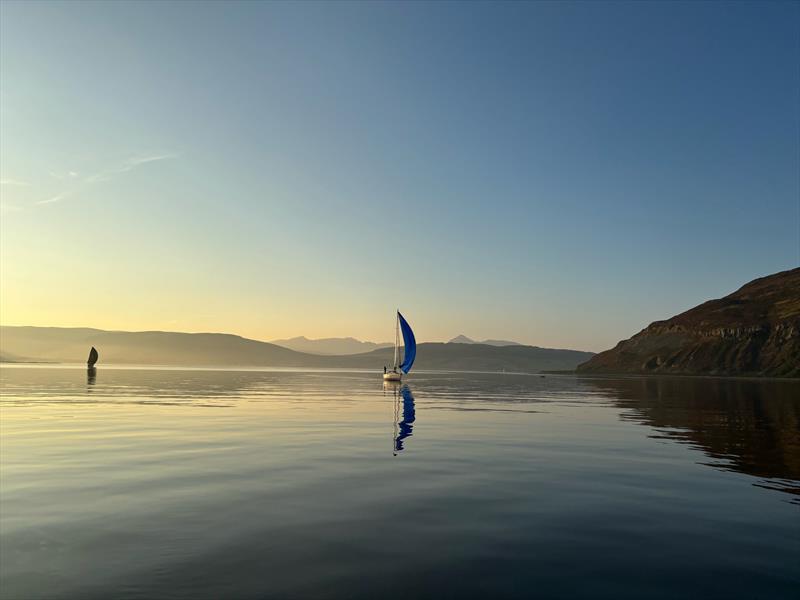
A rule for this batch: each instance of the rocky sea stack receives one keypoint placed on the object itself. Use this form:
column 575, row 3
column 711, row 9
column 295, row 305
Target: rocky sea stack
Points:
column 753, row 331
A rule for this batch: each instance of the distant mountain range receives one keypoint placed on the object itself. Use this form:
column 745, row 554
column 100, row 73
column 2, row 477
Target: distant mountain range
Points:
column 345, row 345
column 71, row 345
column 753, row 331
column 349, row 345
column 462, row 339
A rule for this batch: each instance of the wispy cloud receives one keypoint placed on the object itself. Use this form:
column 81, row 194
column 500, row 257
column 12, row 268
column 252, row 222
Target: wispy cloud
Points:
column 126, row 166
column 68, row 175
column 76, row 183
column 57, row 198
column 12, row 182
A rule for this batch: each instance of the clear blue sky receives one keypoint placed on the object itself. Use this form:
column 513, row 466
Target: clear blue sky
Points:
column 559, row 174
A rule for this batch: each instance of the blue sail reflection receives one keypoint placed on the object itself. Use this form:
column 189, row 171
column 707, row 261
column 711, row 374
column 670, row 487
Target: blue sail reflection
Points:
column 404, row 427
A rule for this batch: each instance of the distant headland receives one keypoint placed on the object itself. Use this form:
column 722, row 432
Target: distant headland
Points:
column 69, row 345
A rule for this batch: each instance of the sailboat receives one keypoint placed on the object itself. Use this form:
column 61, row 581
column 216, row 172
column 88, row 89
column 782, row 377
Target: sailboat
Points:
column 92, row 358
column 410, row 353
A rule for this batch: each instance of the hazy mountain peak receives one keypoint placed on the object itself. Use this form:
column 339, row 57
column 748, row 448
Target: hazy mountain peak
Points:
column 329, row 346
column 462, row 339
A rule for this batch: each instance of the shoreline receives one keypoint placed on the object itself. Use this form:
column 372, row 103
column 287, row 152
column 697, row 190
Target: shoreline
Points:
column 302, row 369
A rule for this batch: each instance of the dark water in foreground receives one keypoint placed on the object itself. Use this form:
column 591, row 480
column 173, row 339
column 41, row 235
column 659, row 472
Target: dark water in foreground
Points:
column 214, row 484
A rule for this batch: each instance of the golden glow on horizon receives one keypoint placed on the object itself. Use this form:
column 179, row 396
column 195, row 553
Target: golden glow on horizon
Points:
column 250, row 319
column 96, row 277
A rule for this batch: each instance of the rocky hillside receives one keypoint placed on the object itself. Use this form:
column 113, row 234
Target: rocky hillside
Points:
column 753, row 331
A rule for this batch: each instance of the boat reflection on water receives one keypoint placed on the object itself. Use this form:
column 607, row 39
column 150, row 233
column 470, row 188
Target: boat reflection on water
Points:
column 404, row 414
column 91, row 375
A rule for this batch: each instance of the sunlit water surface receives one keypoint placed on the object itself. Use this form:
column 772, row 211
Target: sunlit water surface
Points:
column 258, row 484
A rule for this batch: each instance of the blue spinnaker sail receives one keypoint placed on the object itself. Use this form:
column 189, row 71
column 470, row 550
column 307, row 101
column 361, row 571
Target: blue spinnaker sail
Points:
column 410, row 345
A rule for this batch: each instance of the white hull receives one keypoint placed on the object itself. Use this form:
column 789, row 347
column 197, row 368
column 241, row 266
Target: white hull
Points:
column 392, row 376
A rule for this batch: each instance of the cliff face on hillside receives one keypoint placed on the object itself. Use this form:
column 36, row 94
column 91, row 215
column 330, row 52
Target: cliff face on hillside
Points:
column 753, row 331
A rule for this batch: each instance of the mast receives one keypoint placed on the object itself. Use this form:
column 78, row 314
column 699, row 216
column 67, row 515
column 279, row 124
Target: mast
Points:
column 396, row 336
column 394, row 424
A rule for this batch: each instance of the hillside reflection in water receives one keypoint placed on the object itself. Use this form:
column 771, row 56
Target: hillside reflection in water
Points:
column 749, row 426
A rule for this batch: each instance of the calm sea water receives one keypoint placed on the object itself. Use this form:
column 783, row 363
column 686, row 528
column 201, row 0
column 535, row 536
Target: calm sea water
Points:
column 256, row 484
